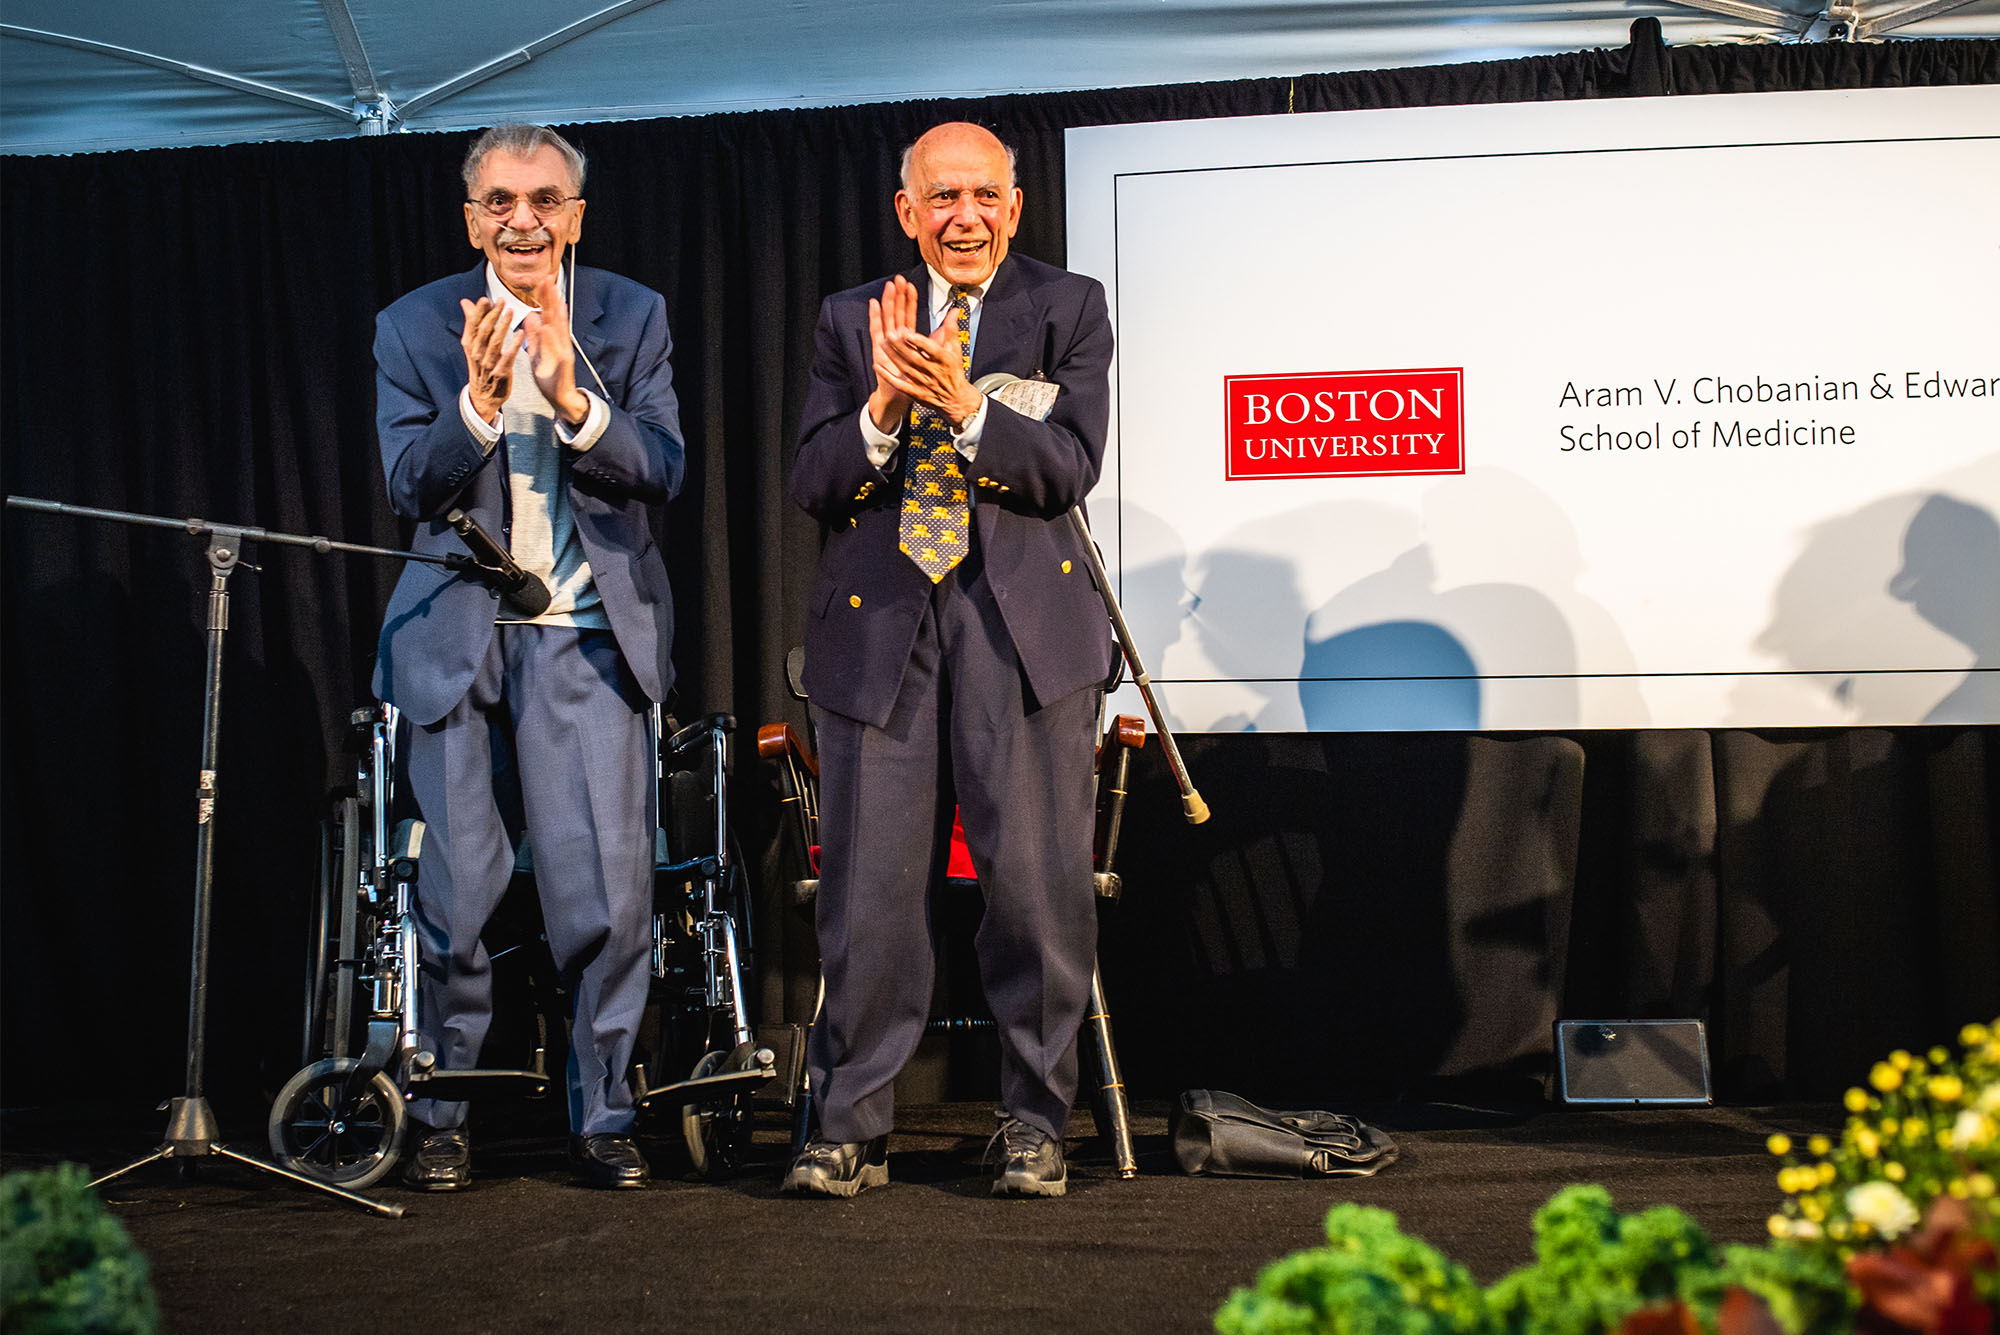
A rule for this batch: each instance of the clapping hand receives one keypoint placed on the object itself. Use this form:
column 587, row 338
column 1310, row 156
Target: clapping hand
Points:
column 552, row 353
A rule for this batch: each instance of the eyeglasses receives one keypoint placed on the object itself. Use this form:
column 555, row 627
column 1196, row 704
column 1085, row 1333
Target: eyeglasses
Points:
column 545, row 204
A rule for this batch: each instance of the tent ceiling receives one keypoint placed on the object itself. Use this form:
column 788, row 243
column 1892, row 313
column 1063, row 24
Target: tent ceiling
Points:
column 138, row 73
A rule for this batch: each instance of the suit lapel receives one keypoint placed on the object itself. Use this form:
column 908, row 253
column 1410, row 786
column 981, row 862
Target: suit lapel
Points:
column 1005, row 322
column 585, row 311
column 921, row 277
column 471, row 286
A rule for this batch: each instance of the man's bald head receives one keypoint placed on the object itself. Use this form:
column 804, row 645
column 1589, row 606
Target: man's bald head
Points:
column 959, row 201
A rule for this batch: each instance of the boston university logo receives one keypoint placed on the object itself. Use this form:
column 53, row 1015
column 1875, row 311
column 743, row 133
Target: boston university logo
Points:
column 1345, row 424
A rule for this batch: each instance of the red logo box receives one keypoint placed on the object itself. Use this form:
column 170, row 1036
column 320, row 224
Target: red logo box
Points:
column 1346, row 424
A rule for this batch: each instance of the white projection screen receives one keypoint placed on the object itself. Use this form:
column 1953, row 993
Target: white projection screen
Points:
column 1654, row 412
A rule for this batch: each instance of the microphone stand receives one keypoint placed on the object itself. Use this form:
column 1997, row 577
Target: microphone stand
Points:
column 192, row 1131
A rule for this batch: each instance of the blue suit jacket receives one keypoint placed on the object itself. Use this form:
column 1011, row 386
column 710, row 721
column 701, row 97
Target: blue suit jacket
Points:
column 863, row 614
column 439, row 623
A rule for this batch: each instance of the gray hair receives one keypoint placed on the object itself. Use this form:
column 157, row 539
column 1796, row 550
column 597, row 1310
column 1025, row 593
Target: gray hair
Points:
column 521, row 141
column 910, row 151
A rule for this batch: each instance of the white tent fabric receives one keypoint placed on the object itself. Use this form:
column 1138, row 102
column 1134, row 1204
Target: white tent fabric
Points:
column 82, row 76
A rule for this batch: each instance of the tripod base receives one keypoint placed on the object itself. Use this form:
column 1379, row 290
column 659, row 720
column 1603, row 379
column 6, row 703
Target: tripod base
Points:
column 192, row 1133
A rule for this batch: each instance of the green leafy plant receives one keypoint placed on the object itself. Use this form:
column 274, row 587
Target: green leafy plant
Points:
column 1594, row 1268
column 1369, row 1279
column 65, row 1265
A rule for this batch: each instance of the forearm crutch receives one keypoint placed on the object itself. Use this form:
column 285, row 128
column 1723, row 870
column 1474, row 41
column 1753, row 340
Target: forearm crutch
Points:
column 1192, row 806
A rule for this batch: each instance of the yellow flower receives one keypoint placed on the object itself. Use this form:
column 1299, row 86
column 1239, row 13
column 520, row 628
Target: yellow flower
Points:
column 1826, row 1174
column 1885, row 1076
column 1818, row 1145
column 1890, row 1126
column 1988, row 1100
column 1804, row 1228
column 1779, row 1225
column 1867, row 1142
column 1938, row 1056
column 1779, row 1143
column 1946, row 1088
column 1894, row 1171
column 1957, row 1187
column 1981, row 1185
column 1900, row 1060
column 1882, row 1208
column 1813, row 1208
column 1972, row 1035
column 1856, row 1100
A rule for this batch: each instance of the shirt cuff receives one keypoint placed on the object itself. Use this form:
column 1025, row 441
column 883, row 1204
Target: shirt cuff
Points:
column 966, row 439
column 487, row 433
column 593, row 426
column 880, row 445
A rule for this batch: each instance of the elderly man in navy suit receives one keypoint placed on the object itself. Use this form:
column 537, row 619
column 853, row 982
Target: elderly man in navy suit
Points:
column 530, row 718
column 953, row 639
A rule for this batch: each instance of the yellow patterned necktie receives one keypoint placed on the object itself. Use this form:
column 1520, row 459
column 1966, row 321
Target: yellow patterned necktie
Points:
column 935, row 513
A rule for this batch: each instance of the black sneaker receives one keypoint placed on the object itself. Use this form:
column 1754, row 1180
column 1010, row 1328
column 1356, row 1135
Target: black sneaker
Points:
column 1031, row 1161
column 441, row 1161
column 830, row 1168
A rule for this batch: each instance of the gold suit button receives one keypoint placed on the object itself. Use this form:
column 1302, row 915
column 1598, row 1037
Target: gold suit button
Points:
column 1065, row 567
column 854, row 600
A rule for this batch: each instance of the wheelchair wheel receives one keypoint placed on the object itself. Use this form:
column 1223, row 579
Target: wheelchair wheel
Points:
column 717, row 1133
column 319, row 1128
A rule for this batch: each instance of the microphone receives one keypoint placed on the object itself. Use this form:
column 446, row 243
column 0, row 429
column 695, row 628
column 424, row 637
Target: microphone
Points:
column 520, row 587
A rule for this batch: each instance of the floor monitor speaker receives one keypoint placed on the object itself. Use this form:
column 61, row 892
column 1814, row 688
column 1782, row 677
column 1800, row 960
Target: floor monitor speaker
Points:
column 1633, row 1062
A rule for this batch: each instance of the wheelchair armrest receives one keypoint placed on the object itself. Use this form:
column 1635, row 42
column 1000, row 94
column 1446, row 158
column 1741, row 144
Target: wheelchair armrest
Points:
column 696, row 734
column 775, row 741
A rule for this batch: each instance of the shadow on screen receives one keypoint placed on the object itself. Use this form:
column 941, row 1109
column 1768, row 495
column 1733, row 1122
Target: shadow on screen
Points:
column 1888, row 586
column 1394, row 675
column 1951, row 567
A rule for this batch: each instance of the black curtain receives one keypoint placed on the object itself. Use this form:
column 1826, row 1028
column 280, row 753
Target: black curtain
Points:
column 187, row 332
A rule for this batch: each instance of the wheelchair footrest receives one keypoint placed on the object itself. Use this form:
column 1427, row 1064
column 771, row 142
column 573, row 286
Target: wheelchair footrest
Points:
column 702, row 1089
column 474, row 1083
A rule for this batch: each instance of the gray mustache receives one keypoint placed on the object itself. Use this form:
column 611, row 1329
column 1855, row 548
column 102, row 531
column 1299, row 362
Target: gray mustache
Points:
column 509, row 237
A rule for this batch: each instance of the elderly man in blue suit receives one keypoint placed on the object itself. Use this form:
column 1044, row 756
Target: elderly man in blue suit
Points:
column 952, row 641
column 541, row 404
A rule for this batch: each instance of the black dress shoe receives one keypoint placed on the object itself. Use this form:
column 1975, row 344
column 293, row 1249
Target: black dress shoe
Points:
column 831, row 1168
column 1031, row 1161
column 608, row 1159
column 442, row 1160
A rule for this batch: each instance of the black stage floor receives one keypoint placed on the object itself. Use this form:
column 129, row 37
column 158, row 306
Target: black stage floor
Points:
column 237, row 1250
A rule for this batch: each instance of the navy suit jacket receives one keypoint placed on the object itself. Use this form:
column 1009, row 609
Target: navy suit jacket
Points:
column 439, row 622
column 863, row 614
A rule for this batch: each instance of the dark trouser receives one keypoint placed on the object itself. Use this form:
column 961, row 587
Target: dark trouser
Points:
column 553, row 737
column 964, row 730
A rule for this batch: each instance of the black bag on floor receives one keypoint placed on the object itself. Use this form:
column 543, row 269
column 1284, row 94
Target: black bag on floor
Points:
column 1225, row 1136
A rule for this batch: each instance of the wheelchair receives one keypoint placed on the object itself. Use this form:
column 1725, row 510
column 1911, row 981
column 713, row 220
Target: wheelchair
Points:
column 797, row 764
column 341, row 1119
